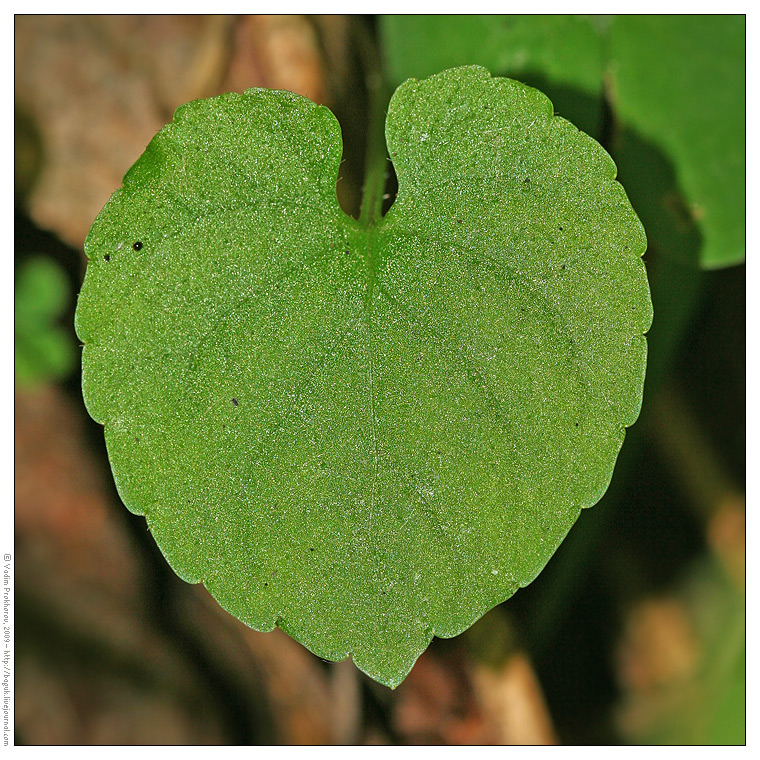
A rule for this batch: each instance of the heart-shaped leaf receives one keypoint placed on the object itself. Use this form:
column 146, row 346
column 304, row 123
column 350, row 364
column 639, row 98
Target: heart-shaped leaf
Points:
column 367, row 435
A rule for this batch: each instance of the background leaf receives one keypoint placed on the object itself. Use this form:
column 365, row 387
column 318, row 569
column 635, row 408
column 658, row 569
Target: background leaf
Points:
column 695, row 114
column 560, row 55
column 678, row 139
column 43, row 352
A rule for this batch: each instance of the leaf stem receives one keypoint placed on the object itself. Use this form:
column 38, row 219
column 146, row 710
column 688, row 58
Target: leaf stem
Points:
column 375, row 167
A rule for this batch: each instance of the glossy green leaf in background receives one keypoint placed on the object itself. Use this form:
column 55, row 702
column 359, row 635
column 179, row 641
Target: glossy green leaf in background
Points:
column 679, row 82
column 562, row 55
column 566, row 48
column 365, row 434
column 676, row 89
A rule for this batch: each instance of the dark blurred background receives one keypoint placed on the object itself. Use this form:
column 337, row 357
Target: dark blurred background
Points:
column 634, row 632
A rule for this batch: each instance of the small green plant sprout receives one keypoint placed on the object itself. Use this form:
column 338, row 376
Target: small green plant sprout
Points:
column 366, row 432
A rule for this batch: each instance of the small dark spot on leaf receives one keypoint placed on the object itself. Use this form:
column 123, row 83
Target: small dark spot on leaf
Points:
column 223, row 425
column 486, row 107
column 564, row 266
column 576, row 424
column 311, row 548
column 265, row 583
column 137, row 440
column 395, row 153
column 459, row 221
column 107, row 257
column 137, row 246
column 561, row 227
column 347, row 251
column 526, row 181
column 235, row 402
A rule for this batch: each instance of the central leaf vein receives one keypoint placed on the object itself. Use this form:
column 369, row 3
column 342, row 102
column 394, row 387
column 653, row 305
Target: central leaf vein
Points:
column 373, row 430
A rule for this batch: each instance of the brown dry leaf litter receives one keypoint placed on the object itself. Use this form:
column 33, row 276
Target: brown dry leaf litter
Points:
column 95, row 668
column 91, row 668
column 97, row 88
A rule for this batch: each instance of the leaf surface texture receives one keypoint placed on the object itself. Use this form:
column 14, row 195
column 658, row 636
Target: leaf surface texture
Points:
column 365, row 435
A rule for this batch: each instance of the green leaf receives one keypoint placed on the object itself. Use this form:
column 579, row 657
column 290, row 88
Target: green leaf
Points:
column 679, row 83
column 559, row 54
column 365, row 435
column 728, row 725
column 677, row 87
column 43, row 352
column 564, row 48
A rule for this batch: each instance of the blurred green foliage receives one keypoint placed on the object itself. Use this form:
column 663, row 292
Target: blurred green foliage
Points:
column 664, row 93
column 44, row 351
column 560, row 55
column 678, row 81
